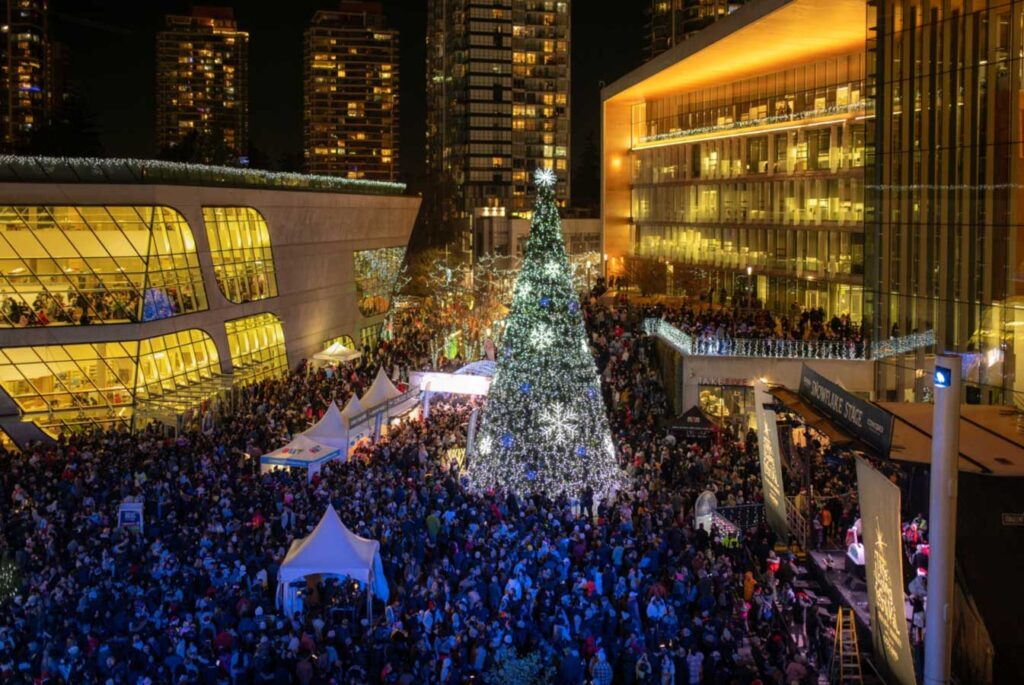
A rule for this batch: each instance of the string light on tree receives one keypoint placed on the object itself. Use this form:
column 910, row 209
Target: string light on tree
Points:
column 544, row 427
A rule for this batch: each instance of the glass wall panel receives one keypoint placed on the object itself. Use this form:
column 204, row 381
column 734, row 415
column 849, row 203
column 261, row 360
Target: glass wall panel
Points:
column 257, row 348
column 763, row 174
column 377, row 274
column 97, row 264
column 240, row 248
column 64, row 387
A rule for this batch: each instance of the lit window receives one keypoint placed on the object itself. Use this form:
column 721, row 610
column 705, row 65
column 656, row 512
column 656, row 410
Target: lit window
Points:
column 257, row 347
column 243, row 262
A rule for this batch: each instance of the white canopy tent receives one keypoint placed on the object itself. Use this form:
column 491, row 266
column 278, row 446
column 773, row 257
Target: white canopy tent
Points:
column 380, row 391
column 356, row 431
column 301, row 452
column 332, row 550
column 337, row 353
column 330, row 430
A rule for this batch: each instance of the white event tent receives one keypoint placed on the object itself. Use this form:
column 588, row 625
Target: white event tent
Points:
column 356, row 431
column 380, row 391
column 337, row 353
column 331, row 550
column 331, row 429
column 303, row 453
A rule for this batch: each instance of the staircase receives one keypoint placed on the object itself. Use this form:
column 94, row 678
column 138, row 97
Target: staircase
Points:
column 846, row 654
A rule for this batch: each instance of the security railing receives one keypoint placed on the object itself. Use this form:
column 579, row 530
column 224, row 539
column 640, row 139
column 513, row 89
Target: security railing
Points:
column 384, row 408
column 779, row 348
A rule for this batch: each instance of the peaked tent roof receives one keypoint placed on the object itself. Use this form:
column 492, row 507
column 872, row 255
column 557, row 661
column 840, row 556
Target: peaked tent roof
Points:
column 380, row 392
column 330, row 429
column 352, row 409
column 337, row 352
column 333, row 549
column 693, row 419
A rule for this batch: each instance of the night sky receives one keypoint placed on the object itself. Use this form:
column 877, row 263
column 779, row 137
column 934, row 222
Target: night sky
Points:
column 112, row 53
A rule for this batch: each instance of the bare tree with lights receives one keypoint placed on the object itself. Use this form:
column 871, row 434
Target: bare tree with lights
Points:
column 544, row 428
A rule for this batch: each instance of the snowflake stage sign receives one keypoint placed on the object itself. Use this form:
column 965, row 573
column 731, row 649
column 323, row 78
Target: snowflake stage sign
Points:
column 544, row 428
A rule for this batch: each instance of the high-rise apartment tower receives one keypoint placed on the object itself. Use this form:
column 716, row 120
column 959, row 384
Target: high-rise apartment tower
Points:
column 202, row 84
column 497, row 105
column 351, row 93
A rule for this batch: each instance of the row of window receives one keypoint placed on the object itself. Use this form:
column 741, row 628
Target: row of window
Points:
column 808, row 200
column 75, row 387
column 117, row 264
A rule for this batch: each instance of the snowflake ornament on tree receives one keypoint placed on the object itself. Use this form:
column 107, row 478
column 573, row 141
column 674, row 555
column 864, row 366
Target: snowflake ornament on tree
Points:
column 559, row 423
column 541, row 337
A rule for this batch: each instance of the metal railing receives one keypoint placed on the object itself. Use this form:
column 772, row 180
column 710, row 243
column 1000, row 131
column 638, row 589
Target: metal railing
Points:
column 384, row 407
column 778, row 348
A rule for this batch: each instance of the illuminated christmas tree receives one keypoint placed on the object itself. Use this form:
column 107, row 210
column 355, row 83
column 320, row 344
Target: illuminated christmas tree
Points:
column 544, row 428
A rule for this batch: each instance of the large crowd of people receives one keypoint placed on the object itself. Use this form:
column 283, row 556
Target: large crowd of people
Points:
column 620, row 591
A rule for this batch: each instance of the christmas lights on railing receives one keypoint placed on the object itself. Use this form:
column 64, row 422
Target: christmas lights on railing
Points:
column 115, row 170
column 880, row 349
column 762, row 121
column 776, row 348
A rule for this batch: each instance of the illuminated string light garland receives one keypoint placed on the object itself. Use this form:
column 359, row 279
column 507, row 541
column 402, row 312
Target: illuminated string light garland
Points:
column 10, row 579
column 114, row 169
column 761, row 121
column 775, row 348
column 544, row 427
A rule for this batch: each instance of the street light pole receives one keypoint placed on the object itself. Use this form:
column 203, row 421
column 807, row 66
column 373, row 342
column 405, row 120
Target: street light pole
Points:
column 938, row 637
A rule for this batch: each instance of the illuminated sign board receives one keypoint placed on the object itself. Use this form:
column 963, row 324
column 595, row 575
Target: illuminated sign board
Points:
column 880, row 521
column 870, row 424
column 771, row 464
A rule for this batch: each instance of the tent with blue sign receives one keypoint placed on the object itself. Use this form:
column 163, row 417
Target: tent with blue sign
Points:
column 330, row 430
column 302, row 453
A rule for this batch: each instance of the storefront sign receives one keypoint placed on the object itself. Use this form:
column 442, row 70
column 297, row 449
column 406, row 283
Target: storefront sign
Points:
column 1013, row 519
column 865, row 421
column 880, row 519
column 742, row 382
column 771, row 463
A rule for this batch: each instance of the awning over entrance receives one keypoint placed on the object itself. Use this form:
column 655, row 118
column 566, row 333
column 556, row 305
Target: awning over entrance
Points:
column 991, row 437
column 811, row 417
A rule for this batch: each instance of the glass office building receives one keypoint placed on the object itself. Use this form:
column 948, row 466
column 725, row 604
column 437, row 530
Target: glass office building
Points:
column 948, row 220
column 744, row 174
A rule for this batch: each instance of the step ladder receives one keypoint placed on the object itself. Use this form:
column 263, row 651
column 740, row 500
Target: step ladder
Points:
column 846, row 653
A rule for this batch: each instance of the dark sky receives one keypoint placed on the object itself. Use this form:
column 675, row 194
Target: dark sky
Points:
column 112, row 45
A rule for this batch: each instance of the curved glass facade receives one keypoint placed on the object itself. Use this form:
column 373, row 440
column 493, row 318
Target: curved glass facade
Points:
column 96, row 264
column 377, row 275
column 63, row 387
column 257, row 348
column 240, row 248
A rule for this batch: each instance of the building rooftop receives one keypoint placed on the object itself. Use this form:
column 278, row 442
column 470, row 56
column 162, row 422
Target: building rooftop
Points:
column 18, row 169
column 776, row 33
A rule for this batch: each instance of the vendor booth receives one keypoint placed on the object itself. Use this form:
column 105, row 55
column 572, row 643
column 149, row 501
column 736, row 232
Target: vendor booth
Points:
column 330, row 429
column 383, row 400
column 356, row 422
column 331, row 550
column 336, row 353
column 693, row 426
column 301, row 453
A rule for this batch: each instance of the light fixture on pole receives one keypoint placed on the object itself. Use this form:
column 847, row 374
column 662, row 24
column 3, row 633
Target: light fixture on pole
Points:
column 938, row 637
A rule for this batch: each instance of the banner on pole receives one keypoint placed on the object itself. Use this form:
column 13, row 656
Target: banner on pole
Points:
column 771, row 463
column 880, row 522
